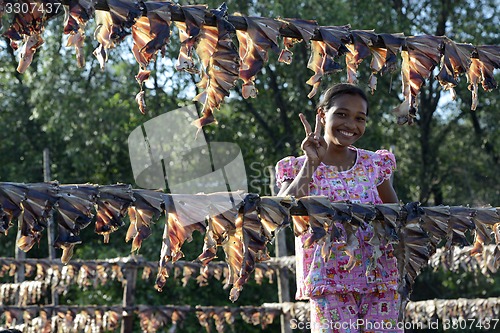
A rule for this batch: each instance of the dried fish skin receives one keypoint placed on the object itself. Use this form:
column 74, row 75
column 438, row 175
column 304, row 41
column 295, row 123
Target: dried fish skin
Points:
column 254, row 43
column 112, row 205
column 220, row 65
column 146, row 209
column 274, row 214
column 77, row 14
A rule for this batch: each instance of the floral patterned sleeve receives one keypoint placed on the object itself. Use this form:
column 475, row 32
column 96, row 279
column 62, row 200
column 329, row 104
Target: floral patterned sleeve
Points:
column 286, row 169
column 385, row 163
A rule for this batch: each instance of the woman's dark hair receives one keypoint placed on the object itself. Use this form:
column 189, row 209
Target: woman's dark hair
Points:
column 340, row 89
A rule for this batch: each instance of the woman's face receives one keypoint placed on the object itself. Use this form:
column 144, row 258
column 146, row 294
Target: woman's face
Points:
column 345, row 121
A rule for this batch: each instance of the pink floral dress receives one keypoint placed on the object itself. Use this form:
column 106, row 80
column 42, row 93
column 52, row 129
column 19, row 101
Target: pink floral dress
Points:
column 316, row 277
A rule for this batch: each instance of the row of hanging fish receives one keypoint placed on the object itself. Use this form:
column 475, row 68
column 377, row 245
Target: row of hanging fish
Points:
column 96, row 319
column 86, row 274
column 221, row 63
column 223, row 318
column 23, row 293
column 90, row 274
column 456, row 259
column 242, row 224
column 461, row 314
column 62, row 319
column 93, row 273
column 448, row 314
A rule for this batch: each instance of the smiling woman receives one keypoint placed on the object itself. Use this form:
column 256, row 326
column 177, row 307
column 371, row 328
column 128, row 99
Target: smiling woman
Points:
column 343, row 285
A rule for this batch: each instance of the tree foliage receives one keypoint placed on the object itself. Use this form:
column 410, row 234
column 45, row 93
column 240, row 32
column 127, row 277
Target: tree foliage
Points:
column 84, row 116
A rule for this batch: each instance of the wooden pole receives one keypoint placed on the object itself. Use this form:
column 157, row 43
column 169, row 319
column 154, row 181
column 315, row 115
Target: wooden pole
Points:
column 129, row 296
column 282, row 274
column 50, row 223
column 19, row 255
column 237, row 21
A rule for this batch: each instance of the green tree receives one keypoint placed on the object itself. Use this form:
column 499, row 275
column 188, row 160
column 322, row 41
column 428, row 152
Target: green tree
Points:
column 84, row 117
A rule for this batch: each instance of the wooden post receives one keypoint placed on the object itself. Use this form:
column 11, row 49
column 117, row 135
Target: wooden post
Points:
column 20, row 254
column 129, row 296
column 282, row 274
column 50, row 223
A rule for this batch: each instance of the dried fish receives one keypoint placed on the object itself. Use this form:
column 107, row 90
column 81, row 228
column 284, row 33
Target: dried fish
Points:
column 254, row 43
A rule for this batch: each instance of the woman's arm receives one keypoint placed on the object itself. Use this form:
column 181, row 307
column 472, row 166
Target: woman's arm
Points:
column 299, row 187
column 387, row 193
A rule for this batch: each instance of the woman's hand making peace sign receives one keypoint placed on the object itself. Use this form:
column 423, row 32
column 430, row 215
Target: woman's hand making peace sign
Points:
column 314, row 145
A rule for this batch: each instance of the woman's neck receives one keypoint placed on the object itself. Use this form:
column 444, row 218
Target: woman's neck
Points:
column 340, row 156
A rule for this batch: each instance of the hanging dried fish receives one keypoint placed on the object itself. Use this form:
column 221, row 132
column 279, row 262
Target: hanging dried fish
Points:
column 393, row 44
column 112, row 319
column 103, row 34
column 113, row 26
column 36, row 209
column 220, row 62
column 324, row 52
column 366, row 214
column 77, row 14
column 203, row 316
column 141, row 36
column 454, row 310
column 189, row 32
column 259, row 316
column 359, row 49
column 247, row 245
column 223, row 211
column 304, row 28
column 422, row 55
column 384, row 58
column 390, row 214
column 254, row 43
column 112, row 204
column 175, row 233
column 412, row 252
column 27, row 51
column 145, row 210
column 261, row 271
column 286, row 54
column 459, row 221
column 274, row 214
column 453, row 63
column 27, row 26
column 150, row 34
column 11, row 196
column 321, row 215
column 74, row 213
column 159, row 16
column 484, row 219
column 222, row 317
column 123, row 14
column 473, row 73
column 489, row 55
column 435, row 222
